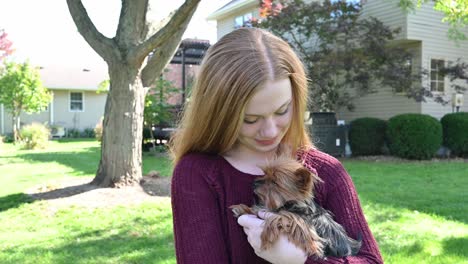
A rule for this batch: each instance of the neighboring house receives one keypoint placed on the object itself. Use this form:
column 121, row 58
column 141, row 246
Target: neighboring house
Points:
column 422, row 33
column 75, row 104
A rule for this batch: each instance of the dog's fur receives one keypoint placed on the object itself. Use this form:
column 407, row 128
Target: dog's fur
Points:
column 286, row 190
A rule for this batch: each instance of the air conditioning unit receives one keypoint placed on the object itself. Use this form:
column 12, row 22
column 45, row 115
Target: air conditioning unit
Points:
column 57, row 131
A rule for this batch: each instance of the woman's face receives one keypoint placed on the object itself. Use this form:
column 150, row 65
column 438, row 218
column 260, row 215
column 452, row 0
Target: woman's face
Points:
column 267, row 117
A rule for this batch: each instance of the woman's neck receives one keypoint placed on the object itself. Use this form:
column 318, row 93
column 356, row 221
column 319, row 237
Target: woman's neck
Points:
column 247, row 160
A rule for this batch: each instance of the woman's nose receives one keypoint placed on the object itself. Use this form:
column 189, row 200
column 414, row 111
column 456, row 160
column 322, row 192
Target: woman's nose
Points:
column 269, row 129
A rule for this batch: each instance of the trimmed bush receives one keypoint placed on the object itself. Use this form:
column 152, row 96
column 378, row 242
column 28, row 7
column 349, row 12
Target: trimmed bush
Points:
column 367, row 136
column 455, row 132
column 35, row 136
column 414, row 136
column 88, row 133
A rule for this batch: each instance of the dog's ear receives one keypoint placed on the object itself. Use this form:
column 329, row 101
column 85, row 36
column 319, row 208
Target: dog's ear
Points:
column 304, row 177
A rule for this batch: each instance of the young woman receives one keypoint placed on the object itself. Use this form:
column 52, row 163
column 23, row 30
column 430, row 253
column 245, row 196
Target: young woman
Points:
column 248, row 105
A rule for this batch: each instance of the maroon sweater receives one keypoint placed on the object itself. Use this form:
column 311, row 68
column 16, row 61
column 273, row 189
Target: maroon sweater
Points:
column 205, row 231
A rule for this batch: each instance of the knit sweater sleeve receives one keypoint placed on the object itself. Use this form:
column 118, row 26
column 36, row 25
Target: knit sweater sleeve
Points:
column 198, row 232
column 339, row 196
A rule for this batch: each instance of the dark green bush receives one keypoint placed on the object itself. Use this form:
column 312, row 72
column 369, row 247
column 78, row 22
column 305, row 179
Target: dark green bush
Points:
column 455, row 131
column 414, row 136
column 73, row 133
column 367, row 136
column 88, row 133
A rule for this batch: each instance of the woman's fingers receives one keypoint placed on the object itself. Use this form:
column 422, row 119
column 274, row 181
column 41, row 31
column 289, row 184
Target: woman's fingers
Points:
column 249, row 221
column 264, row 214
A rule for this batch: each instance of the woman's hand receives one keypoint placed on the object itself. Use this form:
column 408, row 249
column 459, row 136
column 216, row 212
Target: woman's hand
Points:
column 282, row 252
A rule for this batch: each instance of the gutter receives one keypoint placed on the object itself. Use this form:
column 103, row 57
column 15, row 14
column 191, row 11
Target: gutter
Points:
column 220, row 13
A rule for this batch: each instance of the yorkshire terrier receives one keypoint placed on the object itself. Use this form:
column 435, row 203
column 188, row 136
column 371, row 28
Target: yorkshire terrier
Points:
column 286, row 190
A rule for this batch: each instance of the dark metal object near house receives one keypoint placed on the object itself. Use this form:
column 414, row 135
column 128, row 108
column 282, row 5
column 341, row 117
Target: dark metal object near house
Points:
column 190, row 52
column 326, row 135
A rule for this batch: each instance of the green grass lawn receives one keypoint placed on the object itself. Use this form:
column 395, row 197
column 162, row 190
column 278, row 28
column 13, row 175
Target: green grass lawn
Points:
column 418, row 211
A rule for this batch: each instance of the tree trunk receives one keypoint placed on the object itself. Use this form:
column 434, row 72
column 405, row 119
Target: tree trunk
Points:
column 121, row 161
column 130, row 76
column 16, row 127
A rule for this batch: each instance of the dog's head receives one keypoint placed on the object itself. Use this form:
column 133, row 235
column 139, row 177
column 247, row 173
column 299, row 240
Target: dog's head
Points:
column 285, row 179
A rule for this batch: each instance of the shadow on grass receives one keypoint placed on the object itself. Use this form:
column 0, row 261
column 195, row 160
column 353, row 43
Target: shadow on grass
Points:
column 95, row 247
column 84, row 162
column 456, row 246
column 14, row 201
column 64, row 192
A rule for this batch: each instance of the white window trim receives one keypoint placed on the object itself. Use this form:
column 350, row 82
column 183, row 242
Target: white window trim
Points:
column 243, row 19
column 69, row 102
column 430, row 75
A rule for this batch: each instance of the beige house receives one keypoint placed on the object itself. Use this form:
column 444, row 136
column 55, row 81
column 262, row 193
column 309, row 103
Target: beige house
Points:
column 76, row 104
column 422, row 33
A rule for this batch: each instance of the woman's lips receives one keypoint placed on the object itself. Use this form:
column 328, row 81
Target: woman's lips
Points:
column 266, row 142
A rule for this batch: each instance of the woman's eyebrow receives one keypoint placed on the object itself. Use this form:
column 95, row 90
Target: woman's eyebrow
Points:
column 283, row 105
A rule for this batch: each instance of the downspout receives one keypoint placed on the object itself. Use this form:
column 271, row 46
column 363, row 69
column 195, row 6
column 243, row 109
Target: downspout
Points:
column 51, row 110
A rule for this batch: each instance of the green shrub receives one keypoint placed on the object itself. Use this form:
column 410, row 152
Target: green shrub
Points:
column 73, row 133
column 455, row 132
column 8, row 138
column 367, row 136
column 98, row 130
column 414, row 136
column 35, row 136
column 88, row 133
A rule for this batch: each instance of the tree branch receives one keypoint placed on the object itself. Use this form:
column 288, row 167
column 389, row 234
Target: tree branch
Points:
column 161, row 58
column 132, row 26
column 104, row 46
column 176, row 24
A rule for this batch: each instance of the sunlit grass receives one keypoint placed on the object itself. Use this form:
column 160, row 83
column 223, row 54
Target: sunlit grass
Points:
column 417, row 211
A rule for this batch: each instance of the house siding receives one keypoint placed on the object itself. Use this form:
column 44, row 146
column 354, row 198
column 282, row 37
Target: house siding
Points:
column 422, row 33
column 389, row 13
column 93, row 111
column 425, row 24
column 385, row 103
column 226, row 24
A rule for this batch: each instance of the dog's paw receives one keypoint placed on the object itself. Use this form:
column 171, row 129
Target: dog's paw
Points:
column 240, row 209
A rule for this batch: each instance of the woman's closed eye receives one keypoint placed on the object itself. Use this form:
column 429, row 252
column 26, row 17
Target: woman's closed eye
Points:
column 282, row 111
column 250, row 120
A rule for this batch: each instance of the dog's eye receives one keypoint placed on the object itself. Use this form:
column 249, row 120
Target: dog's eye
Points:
column 257, row 183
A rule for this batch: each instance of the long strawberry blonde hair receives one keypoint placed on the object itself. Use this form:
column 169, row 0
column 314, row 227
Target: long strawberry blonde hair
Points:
column 232, row 71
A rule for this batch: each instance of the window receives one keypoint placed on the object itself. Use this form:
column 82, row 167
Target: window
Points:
column 76, row 102
column 243, row 21
column 437, row 77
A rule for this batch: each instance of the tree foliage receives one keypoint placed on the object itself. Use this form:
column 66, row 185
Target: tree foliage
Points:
column 5, row 45
column 455, row 11
column 343, row 53
column 157, row 109
column 21, row 90
column 346, row 56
